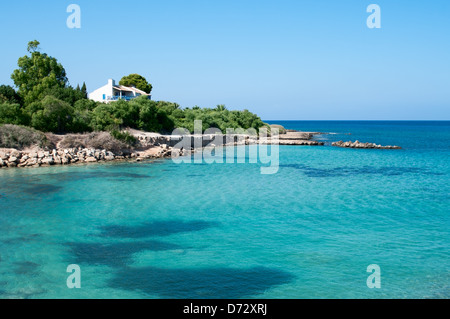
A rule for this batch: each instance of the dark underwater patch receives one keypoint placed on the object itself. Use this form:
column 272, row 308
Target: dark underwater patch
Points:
column 352, row 171
column 75, row 176
column 156, row 228
column 42, row 189
column 25, row 267
column 117, row 254
column 204, row 283
column 22, row 239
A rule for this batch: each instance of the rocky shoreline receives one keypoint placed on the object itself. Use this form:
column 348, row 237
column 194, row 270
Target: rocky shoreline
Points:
column 37, row 158
column 150, row 146
column 154, row 146
column 358, row 144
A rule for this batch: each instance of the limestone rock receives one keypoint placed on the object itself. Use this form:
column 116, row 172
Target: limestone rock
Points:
column 358, row 144
column 90, row 159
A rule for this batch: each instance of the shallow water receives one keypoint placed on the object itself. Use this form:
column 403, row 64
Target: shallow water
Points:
column 166, row 230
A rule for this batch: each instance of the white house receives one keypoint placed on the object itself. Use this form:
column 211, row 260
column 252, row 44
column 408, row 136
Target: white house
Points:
column 112, row 92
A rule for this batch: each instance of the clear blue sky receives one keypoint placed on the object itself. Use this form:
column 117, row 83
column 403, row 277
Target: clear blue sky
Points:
column 284, row 59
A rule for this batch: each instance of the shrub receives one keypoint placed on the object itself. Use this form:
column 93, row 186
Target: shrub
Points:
column 19, row 137
column 97, row 140
column 125, row 137
column 12, row 114
column 104, row 140
column 54, row 116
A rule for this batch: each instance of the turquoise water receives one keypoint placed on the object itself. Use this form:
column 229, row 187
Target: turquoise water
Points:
column 166, row 230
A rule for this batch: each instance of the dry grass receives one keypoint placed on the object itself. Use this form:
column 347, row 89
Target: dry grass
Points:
column 20, row 137
column 96, row 140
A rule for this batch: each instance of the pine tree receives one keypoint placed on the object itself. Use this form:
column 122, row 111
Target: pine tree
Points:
column 84, row 90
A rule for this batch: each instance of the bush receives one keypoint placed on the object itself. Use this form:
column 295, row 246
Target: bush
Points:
column 96, row 140
column 52, row 115
column 12, row 114
column 103, row 118
column 19, row 137
column 125, row 137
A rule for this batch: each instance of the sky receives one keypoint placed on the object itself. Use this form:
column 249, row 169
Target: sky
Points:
column 283, row 60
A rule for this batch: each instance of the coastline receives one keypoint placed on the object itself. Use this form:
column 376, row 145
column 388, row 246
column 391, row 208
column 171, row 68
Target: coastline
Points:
column 150, row 146
column 157, row 146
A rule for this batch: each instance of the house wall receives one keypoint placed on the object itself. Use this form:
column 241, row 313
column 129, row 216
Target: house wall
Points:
column 106, row 91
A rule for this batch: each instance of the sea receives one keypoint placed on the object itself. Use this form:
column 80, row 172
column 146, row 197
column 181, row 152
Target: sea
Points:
column 329, row 223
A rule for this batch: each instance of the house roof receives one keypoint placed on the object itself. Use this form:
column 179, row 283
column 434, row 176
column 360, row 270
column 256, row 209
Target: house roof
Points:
column 129, row 89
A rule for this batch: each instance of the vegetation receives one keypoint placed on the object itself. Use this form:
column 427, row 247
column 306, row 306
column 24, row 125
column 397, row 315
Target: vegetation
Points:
column 138, row 81
column 45, row 101
column 19, row 137
column 96, row 140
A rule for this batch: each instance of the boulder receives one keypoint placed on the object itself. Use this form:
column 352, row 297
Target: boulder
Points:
column 16, row 153
column 11, row 164
column 31, row 162
column 90, row 159
column 48, row 160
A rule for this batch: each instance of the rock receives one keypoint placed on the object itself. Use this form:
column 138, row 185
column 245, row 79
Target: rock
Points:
column 358, row 144
column 90, row 159
column 48, row 160
column 57, row 159
column 11, row 164
column 16, row 154
column 13, row 159
column 109, row 158
column 31, row 162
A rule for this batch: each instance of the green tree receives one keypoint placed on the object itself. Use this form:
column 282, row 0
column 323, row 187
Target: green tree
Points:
column 138, row 81
column 37, row 72
column 8, row 94
column 12, row 114
column 84, row 90
column 103, row 118
column 52, row 115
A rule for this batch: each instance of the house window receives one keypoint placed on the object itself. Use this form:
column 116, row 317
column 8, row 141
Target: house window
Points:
column 104, row 96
